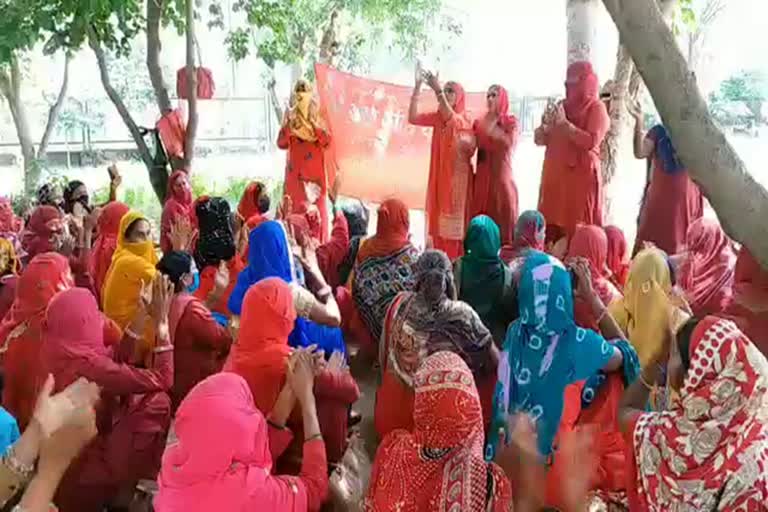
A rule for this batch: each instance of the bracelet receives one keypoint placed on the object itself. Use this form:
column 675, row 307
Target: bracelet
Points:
column 312, row 438
column 131, row 334
column 162, row 348
column 11, row 462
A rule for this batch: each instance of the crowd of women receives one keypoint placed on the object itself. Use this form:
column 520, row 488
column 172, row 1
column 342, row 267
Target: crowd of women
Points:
column 522, row 361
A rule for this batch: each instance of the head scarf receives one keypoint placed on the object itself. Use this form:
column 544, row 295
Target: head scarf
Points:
column 216, row 239
column 45, row 276
column 439, row 465
column 9, row 262
column 544, row 351
column 357, row 219
column 44, row 222
column 708, row 452
column 582, row 92
column 9, row 222
column 617, row 261
column 69, row 200
column 302, row 118
column 649, row 305
column 505, row 118
column 47, row 195
column 261, row 349
column 708, row 271
column 174, row 265
column 749, row 305
column 254, row 202
column 178, row 205
column 482, row 271
column 530, row 233
column 591, row 243
column 299, row 225
column 431, row 319
column 461, row 96
column 234, row 473
column 392, row 228
column 133, row 263
column 106, row 241
column 664, row 151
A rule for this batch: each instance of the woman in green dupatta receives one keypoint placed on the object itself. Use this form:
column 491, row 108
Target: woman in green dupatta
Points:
column 483, row 280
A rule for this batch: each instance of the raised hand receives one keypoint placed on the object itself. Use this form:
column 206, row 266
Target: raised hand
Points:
column 162, row 297
column 181, row 235
column 52, row 412
column 635, row 109
column 221, row 280
column 433, row 81
column 302, row 376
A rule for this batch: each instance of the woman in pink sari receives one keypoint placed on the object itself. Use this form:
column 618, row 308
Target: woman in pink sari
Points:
column 450, row 168
column 495, row 192
column 177, row 208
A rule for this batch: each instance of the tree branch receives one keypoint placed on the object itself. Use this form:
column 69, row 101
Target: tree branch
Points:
column 740, row 202
column 154, row 46
column 53, row 112
column 192, row 115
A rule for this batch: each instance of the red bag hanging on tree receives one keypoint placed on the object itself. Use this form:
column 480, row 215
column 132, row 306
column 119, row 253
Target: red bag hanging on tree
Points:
column 172, row 129
column 205, row 84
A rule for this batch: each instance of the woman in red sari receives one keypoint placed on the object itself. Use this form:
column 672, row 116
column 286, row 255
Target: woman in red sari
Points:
column 106, row 242
column 439, row 464
column 450, row 167
column 495, row 192
column 672, row 201
column 177, row 207
column 618, row 256
column 571, row 185
column 707, row 270
column 749, row 305
column 591, row 243
column 303, row 136
column 20, row 332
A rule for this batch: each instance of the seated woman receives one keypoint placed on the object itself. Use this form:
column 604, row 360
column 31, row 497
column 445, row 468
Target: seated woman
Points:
column 650, row 304
column 706, row 271
column 708, row 451
column 318, row 313
column 105, row 244
column 530, row 233
column 132, row 269
column 439, row 465
column 749, row 304
column 201, row 344
column 10, row 267
column 21, row 332
column 618, row 256
column 384, row 268
column 135, row 410
column 591, row 244
column 177, row 208
column 357, row 217
column 260, row 355
column 216, row 254
column 251, row 211
column 235, row 473
column 422, row 322
column 483, row 281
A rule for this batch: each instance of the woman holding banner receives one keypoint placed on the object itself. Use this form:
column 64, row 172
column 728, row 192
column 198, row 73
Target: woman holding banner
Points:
column 450, row 167
column 303, row 136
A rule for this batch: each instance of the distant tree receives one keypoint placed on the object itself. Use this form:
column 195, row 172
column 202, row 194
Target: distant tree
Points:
column 747, row 87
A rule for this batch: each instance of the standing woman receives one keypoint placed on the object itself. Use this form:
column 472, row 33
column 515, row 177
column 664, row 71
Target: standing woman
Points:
column 571, row 185
column 177, row 208
column 495, row 192
column 671, row 201
column 306, row 141
column 450, row 167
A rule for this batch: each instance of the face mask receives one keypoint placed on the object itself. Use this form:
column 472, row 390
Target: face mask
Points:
column 303, row 99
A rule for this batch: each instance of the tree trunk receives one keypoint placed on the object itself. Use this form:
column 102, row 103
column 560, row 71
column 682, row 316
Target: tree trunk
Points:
column 329, row 43
column 158, row 175
column 154, row 46
column 55, row 110
column 740, row 202
column 192, row 115
column 273, row 98
column 582, row 18
column 10, row 86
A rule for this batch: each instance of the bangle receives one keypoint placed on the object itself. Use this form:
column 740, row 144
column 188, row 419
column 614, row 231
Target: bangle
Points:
column 11, row 462
column 312, row 438
column 131, row 334
column 162, row 348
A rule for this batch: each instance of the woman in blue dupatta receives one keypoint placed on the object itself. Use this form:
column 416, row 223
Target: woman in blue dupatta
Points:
column 544, row 351
column 318, row 314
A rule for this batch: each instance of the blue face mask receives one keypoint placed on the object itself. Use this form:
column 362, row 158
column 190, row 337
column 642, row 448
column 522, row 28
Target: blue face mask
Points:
column 195, row 283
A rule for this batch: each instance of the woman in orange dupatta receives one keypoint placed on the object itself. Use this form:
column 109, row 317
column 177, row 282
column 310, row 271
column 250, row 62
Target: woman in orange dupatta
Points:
column 749, row 305
column 571, row 184
column 21, row 332
column 106, row 242
column 133, row 268
column 450, row 167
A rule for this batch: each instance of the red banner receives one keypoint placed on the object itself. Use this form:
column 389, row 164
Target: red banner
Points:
column 377, row 152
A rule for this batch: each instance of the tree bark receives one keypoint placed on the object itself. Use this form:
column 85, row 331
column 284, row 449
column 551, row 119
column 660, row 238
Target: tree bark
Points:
column 154, row 46
column 273, row 98
column 158, row 175
column 10, row 86
column 582, row 30
column 740, row 202
column 55, row 110
column 192, row 114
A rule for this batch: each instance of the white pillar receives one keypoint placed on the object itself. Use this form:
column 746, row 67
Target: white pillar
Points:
column 583, row 17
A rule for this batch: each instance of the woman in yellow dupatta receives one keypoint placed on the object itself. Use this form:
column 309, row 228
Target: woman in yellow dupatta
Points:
column 650, row 305
column 133, row 265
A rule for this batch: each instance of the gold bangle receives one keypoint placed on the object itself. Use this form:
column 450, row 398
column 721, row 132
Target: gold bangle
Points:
column 312, row 438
